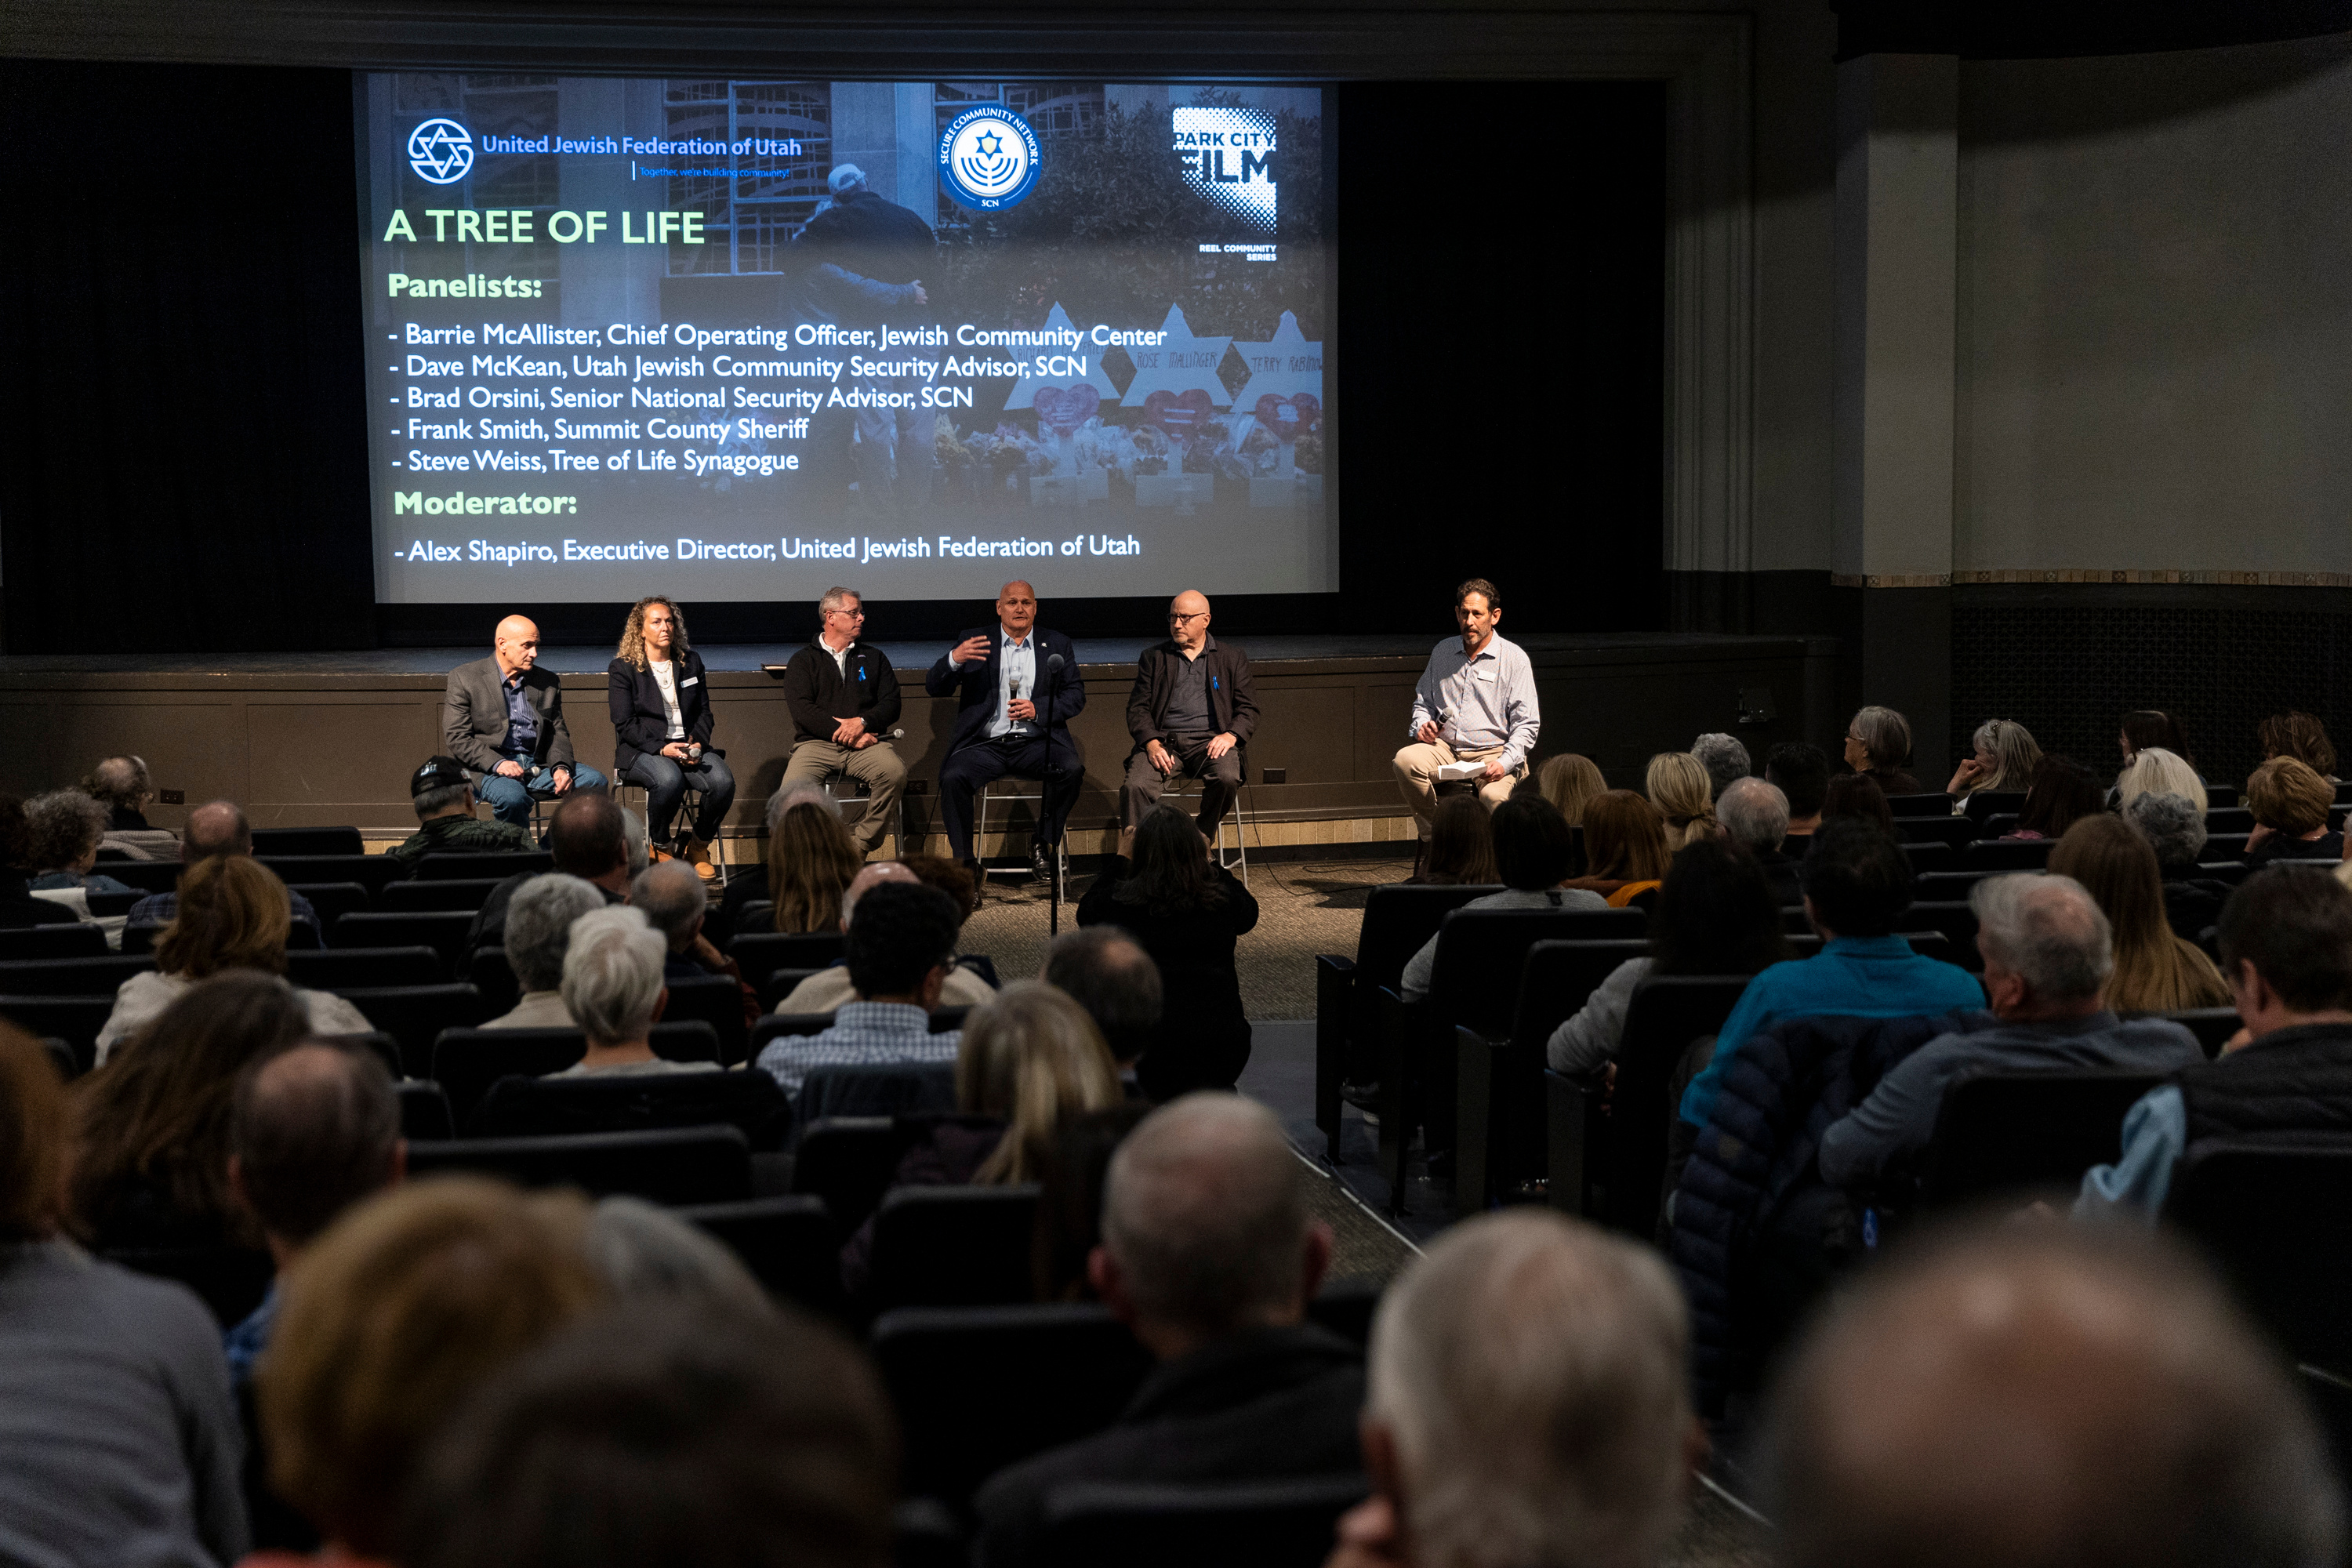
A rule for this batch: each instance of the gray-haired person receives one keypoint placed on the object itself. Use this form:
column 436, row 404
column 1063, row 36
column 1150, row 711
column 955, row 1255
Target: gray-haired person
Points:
column 1754, row 816
column 613, row 987
column 2048, row 953
column 844, row 699
column 1107, row 971
column 2174, row 829
column 538, row 933
column 1723, row 758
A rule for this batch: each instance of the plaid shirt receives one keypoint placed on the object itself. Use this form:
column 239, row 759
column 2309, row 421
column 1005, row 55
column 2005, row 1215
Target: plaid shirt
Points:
column 864, row 1034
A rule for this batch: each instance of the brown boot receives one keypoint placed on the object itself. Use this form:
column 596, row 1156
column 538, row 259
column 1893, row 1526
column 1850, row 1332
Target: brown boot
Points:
column 698, row 855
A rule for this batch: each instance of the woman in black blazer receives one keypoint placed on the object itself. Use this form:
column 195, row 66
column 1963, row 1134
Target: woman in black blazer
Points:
column 661, row 720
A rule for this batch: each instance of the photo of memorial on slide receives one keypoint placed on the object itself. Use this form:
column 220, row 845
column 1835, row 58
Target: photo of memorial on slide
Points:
column 766, row 329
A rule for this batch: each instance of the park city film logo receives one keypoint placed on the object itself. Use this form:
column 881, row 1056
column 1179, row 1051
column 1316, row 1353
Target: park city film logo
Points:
column 441, row 151
column 1228, row 155
column 988, row 158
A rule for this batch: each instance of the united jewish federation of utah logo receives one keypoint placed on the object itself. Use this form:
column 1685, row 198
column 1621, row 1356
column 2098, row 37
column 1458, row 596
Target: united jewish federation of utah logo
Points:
column 989, row 158
column 441, row 151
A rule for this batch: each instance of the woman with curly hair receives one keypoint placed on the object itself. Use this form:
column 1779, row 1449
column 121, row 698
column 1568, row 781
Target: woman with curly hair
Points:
column 2302, row 736
column 660, row 700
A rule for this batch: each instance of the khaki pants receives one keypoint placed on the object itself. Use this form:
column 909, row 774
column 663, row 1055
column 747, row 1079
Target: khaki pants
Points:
column 878, row 767
column 1416, row 776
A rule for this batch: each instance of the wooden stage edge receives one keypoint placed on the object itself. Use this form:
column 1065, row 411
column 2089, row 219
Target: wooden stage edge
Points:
column 331, row 738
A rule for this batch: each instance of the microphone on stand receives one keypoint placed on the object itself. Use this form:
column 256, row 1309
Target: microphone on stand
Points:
column 1054, row 916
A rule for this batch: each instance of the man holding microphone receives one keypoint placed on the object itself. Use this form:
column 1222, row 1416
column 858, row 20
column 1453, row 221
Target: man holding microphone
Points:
column 1476, row 702
column 1014, row 683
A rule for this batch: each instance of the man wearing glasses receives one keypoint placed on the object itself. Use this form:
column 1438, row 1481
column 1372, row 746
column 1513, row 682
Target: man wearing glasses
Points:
column 1014, row 683
column 1193, row 707
column 843, row 699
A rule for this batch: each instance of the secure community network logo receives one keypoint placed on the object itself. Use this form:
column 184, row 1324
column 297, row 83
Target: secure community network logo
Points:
column 441, row 150
column 989, row 158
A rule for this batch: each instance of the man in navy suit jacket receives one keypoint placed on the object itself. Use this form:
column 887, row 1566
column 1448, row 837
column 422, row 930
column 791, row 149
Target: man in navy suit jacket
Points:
column 999, row 674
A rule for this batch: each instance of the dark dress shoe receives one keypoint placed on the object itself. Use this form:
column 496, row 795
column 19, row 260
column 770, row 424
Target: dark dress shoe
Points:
column 1041, row 860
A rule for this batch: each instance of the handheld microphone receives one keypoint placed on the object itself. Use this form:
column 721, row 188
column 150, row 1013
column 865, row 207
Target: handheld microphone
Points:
column 898, row 734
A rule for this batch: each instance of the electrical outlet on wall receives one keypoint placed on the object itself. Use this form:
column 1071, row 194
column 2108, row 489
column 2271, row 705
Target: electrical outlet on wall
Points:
column 172, row 797
column 1277, row 775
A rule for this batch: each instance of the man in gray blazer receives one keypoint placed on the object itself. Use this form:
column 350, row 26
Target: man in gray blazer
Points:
column 505, row 718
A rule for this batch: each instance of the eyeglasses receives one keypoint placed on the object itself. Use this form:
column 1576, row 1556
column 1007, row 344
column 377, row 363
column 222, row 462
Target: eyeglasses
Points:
column 1197, row 616
column 852, row 615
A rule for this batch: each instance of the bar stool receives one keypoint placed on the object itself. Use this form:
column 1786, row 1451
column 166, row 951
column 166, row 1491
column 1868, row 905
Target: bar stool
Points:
column 980, row 841
column 1238, row 858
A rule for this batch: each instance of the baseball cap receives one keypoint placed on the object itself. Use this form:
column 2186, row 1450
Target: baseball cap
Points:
column 438, row 773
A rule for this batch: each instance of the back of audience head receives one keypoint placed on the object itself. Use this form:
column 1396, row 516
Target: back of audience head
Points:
column 901, row 943
column 313, row 1128
column 2288, row 798
column 587, row 836
column 2158, row 770
column 805, row 793
column 119, row 783
column 404, row 1306
column 671, row 896
column 65, row 826
column 35, row 1139
column 2172, row 824
column 1461, row 843
column 2044, row 1397
column 1715, row 915
column 612, row 976
column 1856, row 797
column 2300, row 735
column 1170, row 872
column 639, row 1250
column 233, row 913
column 2287, row 929
column 1858, row 881
column 636, row 846
column 1069, row 1198
column 939, row 871
column 872, row 875
column 2155, row 970
column 811, row 860
column 2146, row 727
column 1205, row 1229
column 2063, row 793
column 157, row 1113
column 2045, row 933
column 216, row 827
column 2012, row 749
column 1107, row 971
column 538, row 926
column 1527, row 1401
column 1754, row 813
column 1886, row 737
column 1678, row 784
column 1625, row 838
column 1032, row 1059
column 1533, row 847
column 653, row 1433
column 1569, row 782
column 1724, row 759
column 1802, row 772
column 437, row 784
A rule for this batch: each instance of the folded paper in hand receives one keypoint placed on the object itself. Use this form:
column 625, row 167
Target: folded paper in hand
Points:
column 1452, row 772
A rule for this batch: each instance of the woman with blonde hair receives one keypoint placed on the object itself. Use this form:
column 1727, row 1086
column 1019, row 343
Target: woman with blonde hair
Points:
column 1682, row 789
column 2005, row 754
column 2290, row 805
column 2155, row 971
column 660, row 696
column 2157, row 771
column 810, row 862
column 233, row 913
column 1571, row 781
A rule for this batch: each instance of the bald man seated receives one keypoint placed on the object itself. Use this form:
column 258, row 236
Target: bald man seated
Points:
column 1010, row 693
column 1192, row 708
column 505, row 718
column 2045, row 1398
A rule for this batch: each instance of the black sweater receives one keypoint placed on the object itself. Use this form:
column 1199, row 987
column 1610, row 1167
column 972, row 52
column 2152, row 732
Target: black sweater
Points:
column 819, row 697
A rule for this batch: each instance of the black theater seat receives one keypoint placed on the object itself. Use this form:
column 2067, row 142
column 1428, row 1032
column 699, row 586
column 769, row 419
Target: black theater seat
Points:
column 788, row 1244
column 675, row 1165
column 374, row 872
column 441, row 929
column 466, row 1061
column 953, row 1246
column 274, row 841
column 758, row 953
column 332, row 900
column 99, row 977
column 518, row 1106
column 344, row 968
column 67, row 940
column 498, row 865
column 1234, row 1524
column 445, row 893
column 416, row 1016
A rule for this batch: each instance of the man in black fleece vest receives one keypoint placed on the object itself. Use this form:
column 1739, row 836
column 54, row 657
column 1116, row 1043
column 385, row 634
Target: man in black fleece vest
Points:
column 844, row 699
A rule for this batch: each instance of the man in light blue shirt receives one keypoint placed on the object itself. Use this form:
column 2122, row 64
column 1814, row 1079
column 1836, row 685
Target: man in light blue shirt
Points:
column 1476, row 702
column 1017, row 687
column 901, row 947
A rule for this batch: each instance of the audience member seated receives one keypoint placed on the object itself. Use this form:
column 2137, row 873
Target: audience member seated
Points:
column 1716, row 915
column 2302, row 736
column 643, row 1251
column 1188, row 912
column 1678, row 784
column 2158, row 771
column 1723, row 758
column 613, row 988
column 538, row 934
column 445, row 823
column 1030, row 1061
column 151, row 1164
column 1210, row 1258
column 1528, row 1404
column 2030, row 1397
column 748, row 884
column 1878, row 747
column 233, row 914
column 19, row 907
column 406, row 1307
column 1802, row 773
column 2174, row 829
column 671, row 897
column 2147, row 727
column 1756, row 818
column 1857, row 797
column 2290, row 804
column 216, row 829
column 313, row 1128
column 828, row 988
column 1106, row 973
column 65, row 826
column 1857, row 885
column 123, row 786
column 2048, row 957
column 2063, row 793
column 1532, row 851
column 2154, row 969
column 587, row 838
column 652, row 1434
column 1625, row 852
column 1569, row 780
column 1461, row 847
column 2005, row 752
column 121, row 1443
column 2286, row 952
column 901, row 949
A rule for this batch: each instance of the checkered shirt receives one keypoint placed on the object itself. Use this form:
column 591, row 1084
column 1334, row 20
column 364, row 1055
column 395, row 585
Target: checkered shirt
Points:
column 864, row 1034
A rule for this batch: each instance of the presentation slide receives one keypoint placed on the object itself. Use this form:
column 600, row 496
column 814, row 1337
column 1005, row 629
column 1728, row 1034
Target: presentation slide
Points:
column 745, row 340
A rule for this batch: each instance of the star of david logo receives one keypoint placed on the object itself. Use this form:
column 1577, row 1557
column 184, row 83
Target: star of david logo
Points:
column 441, row 151
column 989, row 142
